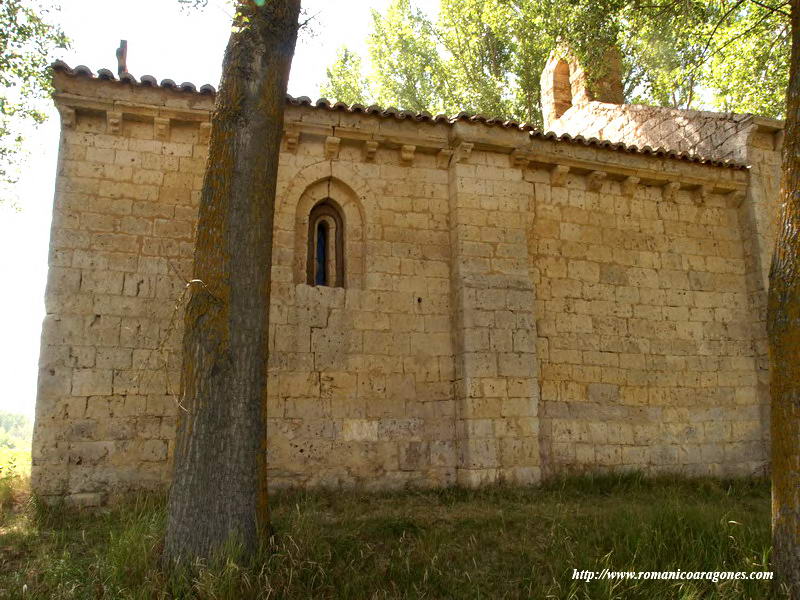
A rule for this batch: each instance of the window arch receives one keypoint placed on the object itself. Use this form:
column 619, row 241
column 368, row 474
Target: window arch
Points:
column 307, row 193
column 325, row 261
column 562, row 88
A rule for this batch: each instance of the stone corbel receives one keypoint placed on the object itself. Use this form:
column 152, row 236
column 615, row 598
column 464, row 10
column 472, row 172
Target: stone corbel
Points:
column 113, row 122
column 443, row 158
column 670, row 191
column 463, row 151
column 204, row 134
column 558, row 175
column 519, row 158
column 736, row 198
column 778, row 140
column 67, row 117
column 629, row 185
column 161, row 128
column 292, row 137
column 332, row 144
column 370, row 149
column 594, row 180
column 701, row 194
column 407, row 153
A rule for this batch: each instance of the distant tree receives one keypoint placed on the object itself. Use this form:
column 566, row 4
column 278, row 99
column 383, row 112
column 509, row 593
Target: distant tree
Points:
column 27, row 41
column 404, row 54
column 15, row 430
column 345, row 81
column 219, row 488
column 486, row 55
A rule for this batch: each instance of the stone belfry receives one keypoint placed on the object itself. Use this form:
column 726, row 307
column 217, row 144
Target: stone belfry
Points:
column 566, row 83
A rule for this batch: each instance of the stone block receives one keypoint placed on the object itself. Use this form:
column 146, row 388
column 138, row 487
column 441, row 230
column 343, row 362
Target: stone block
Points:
column 359, row 430
column 91, row 382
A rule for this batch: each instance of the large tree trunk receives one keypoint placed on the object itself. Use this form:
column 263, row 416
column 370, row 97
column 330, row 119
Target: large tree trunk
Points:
column 783, row 321
column 219, row 490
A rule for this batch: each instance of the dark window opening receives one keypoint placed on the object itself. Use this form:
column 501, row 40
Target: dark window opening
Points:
column 325, row 262
column 321, row 268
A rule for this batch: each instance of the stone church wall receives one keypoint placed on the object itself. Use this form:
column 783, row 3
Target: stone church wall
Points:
column 361, row 376
column 514, row 306
column 122, row 234
column 646, row 332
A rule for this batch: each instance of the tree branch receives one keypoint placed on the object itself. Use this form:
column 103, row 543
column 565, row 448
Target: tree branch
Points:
column 774, row 9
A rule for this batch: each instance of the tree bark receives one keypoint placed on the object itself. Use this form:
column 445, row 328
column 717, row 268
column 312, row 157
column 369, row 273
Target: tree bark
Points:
column 219, row 488
column 783, row 323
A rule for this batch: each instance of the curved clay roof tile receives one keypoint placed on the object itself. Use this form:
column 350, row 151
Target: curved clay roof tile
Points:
column 323, row 103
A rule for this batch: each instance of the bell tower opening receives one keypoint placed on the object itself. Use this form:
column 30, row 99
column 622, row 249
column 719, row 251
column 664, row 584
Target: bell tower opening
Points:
column 562, row 89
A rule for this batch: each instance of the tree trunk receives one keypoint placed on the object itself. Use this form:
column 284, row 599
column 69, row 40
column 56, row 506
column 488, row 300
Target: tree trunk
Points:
column 783, row 322
column 219, row 489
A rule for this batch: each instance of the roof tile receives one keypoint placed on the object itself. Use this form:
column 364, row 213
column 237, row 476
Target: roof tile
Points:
column 392, row 112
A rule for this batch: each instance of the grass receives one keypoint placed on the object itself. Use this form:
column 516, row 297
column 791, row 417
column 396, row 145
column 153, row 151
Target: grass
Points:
column 454, row 543
column 15, row 470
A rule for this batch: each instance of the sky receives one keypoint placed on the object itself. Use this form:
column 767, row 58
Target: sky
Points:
column 168, row 43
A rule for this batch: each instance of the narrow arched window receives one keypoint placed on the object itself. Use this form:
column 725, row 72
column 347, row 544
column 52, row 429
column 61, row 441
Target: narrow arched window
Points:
column 326, row 245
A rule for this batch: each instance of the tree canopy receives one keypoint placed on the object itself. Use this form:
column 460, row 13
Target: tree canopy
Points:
column 486, row 55
column 27, row 40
